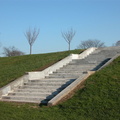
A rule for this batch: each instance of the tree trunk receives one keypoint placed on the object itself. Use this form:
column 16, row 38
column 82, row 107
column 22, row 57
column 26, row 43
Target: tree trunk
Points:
column 69, row 47
column 30, row 49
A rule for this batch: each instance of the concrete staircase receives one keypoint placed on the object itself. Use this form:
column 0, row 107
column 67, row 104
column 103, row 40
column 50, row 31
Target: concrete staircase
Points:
column 37, row 91
column 43, row 90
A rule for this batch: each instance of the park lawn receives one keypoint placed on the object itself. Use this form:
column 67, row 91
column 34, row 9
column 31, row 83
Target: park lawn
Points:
column 98, row 100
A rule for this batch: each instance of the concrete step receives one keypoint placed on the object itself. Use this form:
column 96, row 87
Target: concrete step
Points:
column 31, row 95
column 40, row 87
column 87, row 61
column 46, row 86
column 63, row 76
column 31, row 92
column 50, row 80
column 35, row 94
column 67, row 71
column 73, row 70
column 25, row 99
column 37, row 90
column 73, row 73
column 66, row 75
column 40, row 94
column 78, row 67
column 49, row 83
column 46, row 83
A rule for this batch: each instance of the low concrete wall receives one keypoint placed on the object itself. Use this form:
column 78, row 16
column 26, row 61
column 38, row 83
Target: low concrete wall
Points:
column 86, row 53
column 58, row 65
column 11, row 86
column 68, row 89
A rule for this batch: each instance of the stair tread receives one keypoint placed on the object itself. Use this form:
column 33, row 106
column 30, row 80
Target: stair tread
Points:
column 30, row 93
column 25, row 101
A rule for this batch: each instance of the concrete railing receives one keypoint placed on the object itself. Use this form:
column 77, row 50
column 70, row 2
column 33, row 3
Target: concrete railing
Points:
column 58, row 65
column 11, row 86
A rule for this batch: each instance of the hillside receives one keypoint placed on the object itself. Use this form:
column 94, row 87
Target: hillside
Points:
column 14, row 67
column 98, row 100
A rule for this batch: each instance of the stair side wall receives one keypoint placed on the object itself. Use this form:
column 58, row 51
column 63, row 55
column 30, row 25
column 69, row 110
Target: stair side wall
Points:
column 86, row 52
column 11, row 86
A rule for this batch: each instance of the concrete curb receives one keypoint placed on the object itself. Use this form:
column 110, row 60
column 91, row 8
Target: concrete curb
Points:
column 68, row 89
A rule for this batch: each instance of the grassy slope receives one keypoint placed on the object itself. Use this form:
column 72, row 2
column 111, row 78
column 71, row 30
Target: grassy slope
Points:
column 99, row 100
column 14, row 67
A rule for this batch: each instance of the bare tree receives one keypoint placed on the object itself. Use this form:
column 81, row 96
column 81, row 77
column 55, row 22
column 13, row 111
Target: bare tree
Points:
column 68, row 36
column 117, row 43
column 31, row 36
column 12, row 51
column 91, row 43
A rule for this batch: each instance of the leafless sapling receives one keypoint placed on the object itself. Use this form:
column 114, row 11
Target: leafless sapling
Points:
column 68, row 36
column 31, row 35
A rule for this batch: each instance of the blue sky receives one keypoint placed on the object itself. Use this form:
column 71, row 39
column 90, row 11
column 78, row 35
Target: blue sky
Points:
column 91, row 19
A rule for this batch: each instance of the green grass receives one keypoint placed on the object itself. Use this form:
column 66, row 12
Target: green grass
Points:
column 99, row 100
column 14, row 67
